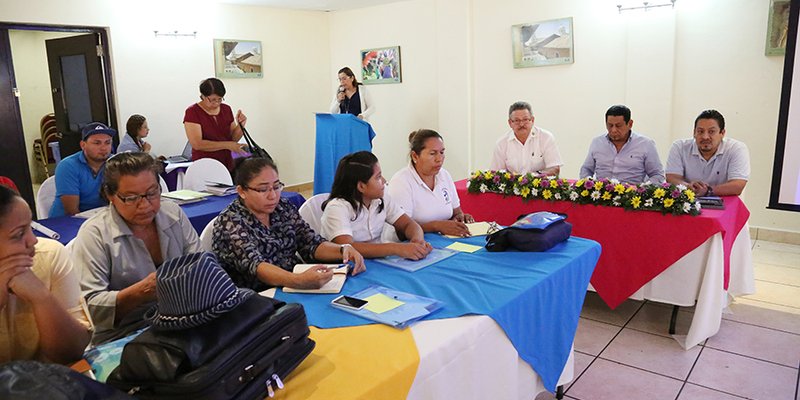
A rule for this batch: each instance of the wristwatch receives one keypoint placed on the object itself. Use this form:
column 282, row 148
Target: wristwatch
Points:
column 341, row 247
column 710, row 191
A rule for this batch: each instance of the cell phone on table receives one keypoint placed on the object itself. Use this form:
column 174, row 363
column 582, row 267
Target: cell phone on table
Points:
column 349, row 302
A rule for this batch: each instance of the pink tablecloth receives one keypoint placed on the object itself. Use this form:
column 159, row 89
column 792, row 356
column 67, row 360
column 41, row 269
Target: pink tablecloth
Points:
column 637, row 245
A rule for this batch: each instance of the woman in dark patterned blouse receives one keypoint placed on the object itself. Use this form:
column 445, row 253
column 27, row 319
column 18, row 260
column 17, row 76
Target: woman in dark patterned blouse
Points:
column 257, row 236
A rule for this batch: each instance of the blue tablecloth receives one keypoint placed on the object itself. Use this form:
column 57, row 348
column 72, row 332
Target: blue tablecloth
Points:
column 535, row 297
column 337, row 136
column 199, row 213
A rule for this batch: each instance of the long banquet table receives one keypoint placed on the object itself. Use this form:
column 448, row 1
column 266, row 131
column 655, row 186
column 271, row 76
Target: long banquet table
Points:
column 681, row 260
column 506, row 329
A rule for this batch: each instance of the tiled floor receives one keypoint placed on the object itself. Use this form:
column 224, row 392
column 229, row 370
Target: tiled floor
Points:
column 628, row 354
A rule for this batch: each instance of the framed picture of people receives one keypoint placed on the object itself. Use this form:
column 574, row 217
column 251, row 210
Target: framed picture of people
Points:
column 237, row 58
column 542, row 43
column 777, row 27
column 381, row 65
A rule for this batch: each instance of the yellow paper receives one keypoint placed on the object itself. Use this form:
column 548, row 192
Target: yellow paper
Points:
column 380, row 303
column 467, row 248
column 475, row 229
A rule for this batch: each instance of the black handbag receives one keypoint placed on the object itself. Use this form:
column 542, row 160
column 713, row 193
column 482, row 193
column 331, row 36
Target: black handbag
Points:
column 256, row 150
column 243, row 354
column 33, row 380
column 532, row 232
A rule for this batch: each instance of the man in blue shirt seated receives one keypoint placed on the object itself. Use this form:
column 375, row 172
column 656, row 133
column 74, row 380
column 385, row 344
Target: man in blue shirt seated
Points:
column 710, row 164
column 78, row 177
column 621, row 153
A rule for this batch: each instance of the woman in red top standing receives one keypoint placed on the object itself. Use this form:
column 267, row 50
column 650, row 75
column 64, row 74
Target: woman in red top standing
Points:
column 210, row 126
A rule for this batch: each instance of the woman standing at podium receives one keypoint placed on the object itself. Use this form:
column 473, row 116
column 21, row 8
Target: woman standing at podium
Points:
column 352, row 98
column 210, row 126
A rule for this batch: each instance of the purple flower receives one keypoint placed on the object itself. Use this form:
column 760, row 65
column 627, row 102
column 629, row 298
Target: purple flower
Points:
column 676, row 193
column 496, row 179
column 588, row 185
column 641, row 189
column 609, row 187
column 524, row 181
column 545, row 183
column 665, row 185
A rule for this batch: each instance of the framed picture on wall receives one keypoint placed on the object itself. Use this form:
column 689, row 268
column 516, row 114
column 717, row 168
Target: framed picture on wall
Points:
column 542, row 43
column 237, row 58
column 777, row 27
column 381, row 65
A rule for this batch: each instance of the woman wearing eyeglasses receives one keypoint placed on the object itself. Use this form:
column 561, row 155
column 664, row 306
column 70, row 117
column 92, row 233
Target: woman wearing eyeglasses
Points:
column 119, row 248
column 210, row 126
column 257, row 236
column 352, row 98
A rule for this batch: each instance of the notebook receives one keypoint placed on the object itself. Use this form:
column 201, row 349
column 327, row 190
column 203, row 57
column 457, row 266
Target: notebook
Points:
column 185, row 196
column 479, row 229
column 333, row 286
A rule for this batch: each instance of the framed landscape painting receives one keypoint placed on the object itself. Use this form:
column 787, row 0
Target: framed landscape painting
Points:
column 237, row 58
column 777, row 27
column 381, row 65
column 542, row 43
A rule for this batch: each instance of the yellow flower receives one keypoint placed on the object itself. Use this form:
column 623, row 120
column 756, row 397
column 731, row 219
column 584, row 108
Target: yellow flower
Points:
column 476, row 174
column 689, row 195
column 579, row 183
column 619, row 188
column 547, row 194
column 606, row 196
column 584, row 193
column 553, row 183
column 536, row 182
column 598, row 185
column 487, row 175
column 525, row 191
column 521, row 177
column 630, row 189
column 659, row 193
column 508, row 175
column 636, row 202
column 668, row 202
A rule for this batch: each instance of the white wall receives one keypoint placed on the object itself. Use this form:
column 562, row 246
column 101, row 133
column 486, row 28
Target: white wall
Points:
column 159, row 77
column 33, row 82
column 666, row 65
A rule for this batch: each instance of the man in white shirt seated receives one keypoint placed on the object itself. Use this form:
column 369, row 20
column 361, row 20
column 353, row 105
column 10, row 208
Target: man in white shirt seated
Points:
column 526, row 148
column 710, row 164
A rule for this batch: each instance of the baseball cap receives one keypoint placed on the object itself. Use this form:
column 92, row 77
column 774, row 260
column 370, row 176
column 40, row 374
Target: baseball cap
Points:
column 95, row 128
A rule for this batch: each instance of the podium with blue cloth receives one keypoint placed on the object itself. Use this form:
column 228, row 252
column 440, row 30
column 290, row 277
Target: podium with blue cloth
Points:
column 337, row 136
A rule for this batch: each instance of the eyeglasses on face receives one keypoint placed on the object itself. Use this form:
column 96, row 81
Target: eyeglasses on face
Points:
column 274, row 188
column 520, row 121
column 132, row 199
column 217, row 100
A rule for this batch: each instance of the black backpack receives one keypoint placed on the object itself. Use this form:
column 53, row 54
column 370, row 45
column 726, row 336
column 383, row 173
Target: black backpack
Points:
column 33, row 380
column 245, row 353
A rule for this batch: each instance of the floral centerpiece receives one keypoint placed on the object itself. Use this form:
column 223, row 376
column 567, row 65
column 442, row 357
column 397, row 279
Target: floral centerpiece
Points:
column 665, row 197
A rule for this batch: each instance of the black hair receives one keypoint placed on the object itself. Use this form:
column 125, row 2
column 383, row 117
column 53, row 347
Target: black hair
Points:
column 212, row 86
column 711, row 114
column 7, row 198
column 126, row 164
column 417, row 139
column 519, row 105
column 247, row 168
column 352, row 169
column 619, row 111
column 349, row 72
column 133, row 126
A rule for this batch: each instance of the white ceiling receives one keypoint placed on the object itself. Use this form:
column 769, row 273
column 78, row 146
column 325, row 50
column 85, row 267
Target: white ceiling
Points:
column 318, row 5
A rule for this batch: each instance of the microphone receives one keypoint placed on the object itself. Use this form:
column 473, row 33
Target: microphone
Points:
column 341, row 90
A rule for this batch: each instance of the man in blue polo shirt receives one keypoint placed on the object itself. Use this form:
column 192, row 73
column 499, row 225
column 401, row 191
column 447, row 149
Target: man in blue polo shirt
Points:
column 709, row 163
column 79, row 176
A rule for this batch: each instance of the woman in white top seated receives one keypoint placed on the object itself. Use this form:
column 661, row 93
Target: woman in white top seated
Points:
column 426, row 191
column 356, row 212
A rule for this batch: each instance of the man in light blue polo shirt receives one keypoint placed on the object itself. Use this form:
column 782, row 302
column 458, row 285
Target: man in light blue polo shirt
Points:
column 621, row 153
column 710, row 164
column 79, row 176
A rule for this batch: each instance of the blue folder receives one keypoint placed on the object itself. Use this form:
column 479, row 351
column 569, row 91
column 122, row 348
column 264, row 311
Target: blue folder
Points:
column 413, row 308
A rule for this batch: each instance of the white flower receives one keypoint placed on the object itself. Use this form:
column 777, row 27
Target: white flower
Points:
column 614, row 181
column 502, row 187
column 616, row 203
column 468, row 183
column 648, row 203
column 557, row 196
column 484, row 188
column 573, row 196
column 616, row 199
column 686, row 207
column 534, row 192
column 516, row 190
column 697, row 206
column 681, row 187
column 595, row 195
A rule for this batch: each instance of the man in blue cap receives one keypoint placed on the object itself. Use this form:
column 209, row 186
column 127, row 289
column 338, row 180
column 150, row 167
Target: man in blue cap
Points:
column 79, row 176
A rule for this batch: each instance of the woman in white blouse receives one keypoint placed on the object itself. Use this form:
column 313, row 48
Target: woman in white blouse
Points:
column 426, row 191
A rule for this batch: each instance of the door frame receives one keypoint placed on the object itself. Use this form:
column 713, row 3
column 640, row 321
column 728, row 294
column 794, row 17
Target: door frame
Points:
column 9, row 100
